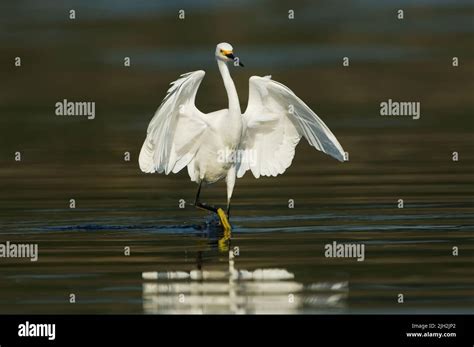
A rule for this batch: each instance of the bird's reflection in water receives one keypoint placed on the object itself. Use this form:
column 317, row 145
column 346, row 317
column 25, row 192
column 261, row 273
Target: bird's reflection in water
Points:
column 233, row 290
column 212, row 234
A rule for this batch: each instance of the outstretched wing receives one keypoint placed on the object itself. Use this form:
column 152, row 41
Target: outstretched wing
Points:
column 174, row 133
column 275, row 121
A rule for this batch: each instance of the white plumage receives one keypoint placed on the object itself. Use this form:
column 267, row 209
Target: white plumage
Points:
column 174, row 134
column 265, row 136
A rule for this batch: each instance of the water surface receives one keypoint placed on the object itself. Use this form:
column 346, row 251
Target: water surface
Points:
column 275, row 261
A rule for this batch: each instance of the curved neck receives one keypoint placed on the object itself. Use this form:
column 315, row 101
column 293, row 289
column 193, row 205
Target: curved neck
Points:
column 234, row 105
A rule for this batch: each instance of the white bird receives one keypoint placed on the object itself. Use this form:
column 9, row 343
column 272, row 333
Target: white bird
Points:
column 263, row 139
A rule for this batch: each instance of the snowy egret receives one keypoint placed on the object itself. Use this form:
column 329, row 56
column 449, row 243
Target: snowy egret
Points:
column 264, row 137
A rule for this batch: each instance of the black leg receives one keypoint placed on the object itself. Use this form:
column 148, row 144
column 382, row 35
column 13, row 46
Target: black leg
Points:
column 206, row 207
column 197, row 203
column 228, row 211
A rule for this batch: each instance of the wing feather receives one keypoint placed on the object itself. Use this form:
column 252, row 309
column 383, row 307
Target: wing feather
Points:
column 274, row 122
column 174, row 133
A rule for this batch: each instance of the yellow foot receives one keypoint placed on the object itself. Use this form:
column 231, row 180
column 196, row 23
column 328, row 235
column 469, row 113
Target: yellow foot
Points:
column 223, row 242
column 224, row 221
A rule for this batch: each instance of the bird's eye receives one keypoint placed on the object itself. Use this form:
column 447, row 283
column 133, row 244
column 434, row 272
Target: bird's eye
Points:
column 222, row 51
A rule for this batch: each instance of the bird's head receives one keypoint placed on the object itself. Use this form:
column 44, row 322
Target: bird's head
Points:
column 225, row 52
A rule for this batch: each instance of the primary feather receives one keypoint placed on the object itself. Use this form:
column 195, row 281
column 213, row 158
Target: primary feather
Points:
column 274, row 122
column 173, row 135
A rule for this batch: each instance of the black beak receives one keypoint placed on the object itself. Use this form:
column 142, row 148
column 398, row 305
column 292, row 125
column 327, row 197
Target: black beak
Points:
column 231, row 56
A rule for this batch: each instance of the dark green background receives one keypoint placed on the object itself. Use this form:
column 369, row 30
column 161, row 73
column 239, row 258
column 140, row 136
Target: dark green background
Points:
column 407, row 251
